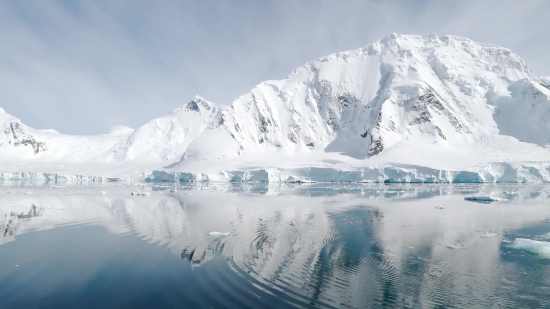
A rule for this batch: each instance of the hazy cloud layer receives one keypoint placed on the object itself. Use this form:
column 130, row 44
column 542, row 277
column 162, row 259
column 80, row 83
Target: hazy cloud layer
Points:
column 83, row 66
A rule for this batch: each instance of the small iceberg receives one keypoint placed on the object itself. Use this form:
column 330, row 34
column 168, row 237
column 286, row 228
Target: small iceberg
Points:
column 483, row 199
column 455, row 247
column 103, row 193
column 540, row 248
column 218, row 234
column 439, row 207
column 173, row 190
column 488, row 235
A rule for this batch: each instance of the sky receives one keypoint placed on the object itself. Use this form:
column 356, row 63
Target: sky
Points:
column 81, row 67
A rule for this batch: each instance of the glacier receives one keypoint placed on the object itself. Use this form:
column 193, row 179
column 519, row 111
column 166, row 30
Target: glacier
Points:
column 408, row 108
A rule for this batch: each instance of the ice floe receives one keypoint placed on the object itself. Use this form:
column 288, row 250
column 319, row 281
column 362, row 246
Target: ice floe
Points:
column 218, row 234
column 455, row 247
column 539, row 248
column 488, row 235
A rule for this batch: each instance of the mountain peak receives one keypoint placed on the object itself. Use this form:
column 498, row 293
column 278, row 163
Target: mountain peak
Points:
column 197, row 104
column 362, row 102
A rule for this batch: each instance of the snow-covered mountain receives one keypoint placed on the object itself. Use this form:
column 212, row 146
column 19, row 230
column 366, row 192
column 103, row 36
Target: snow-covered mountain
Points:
column 167, row 138
column 443, row 89
column 443, row 102
column 440, row 102
column 155, row 144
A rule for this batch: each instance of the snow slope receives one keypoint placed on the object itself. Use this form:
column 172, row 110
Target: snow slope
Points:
column 427, row 106
column 155, row 144
column 167, row 138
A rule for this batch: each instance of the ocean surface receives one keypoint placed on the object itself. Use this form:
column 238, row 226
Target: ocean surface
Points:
column 274, row 246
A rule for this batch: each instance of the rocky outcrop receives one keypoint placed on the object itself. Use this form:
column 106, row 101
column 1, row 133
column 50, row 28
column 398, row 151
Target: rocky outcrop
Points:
column 17, row 135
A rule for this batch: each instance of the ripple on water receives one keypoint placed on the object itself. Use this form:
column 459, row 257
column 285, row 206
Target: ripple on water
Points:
column 333, row 255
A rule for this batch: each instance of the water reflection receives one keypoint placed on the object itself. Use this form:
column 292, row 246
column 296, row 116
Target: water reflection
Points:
column 349, row 245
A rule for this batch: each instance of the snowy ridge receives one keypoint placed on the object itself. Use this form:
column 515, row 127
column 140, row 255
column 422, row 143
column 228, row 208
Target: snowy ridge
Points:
column 168, row 137
column 408, row 108
column 526, row 113
column 154, row 144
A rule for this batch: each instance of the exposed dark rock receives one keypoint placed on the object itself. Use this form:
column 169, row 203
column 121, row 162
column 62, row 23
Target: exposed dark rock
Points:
column 440, row 133
column 264, row 123
column 221, row 119
column 22, row 138
column 192, row 106
column 375, row 148
column 292, row 137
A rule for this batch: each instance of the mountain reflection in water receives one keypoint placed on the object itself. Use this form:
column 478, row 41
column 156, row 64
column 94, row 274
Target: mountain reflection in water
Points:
column 351, row 246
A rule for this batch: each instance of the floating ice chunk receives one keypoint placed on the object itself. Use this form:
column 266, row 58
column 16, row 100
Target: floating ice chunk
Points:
column 483, row 199
column 439, row 207
column 488, row 235
column 103, row 193
column 540, row 248
column 218, row 234
column 409, row 247
column 173, row 190
column 455, row 247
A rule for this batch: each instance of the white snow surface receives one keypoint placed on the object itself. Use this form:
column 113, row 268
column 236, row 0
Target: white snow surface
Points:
column 409, row 108
column 26, row 153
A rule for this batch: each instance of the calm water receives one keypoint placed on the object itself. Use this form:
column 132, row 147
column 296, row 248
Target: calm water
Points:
column 328, row 246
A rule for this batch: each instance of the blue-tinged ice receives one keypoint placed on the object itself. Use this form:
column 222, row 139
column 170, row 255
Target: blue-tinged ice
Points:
column 539, row 248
